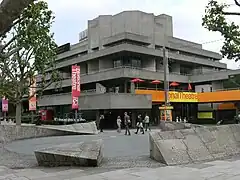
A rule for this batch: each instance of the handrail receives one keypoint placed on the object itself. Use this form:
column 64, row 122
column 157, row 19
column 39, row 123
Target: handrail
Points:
column 179, row 90
column 90, row 91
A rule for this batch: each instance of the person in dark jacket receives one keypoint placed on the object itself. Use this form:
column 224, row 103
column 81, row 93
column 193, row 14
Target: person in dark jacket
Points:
column 101, row 121
column 140, row 124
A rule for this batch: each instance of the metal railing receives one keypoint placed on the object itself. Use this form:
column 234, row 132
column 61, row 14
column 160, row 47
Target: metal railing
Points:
column 180, row 90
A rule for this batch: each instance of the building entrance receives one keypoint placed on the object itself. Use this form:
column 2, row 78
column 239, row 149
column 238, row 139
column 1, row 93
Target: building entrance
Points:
column 184, row 110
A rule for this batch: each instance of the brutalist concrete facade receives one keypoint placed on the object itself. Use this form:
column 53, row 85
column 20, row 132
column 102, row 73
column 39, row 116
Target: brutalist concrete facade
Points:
column 131, row 34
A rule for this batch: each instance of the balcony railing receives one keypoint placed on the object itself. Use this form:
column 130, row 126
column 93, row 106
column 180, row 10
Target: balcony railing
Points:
column 180, row 90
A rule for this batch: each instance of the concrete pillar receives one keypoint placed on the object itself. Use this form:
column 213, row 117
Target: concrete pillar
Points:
column 133, row 118
column 126, row 86
column 132, row 87
column 97, row 118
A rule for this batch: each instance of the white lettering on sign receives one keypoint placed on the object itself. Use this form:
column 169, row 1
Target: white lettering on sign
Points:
column 78, row 79
column 74, row 78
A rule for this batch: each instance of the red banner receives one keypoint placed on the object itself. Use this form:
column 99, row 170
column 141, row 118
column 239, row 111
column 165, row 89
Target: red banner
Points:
column 32, row 102
column 76, row 81
column 75, row 102
column 76, row 89
column 4, row 105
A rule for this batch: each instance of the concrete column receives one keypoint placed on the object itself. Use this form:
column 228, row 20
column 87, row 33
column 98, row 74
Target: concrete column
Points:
column 97, row 118
column 133, row 118
column 132, row 87
column 125, row 86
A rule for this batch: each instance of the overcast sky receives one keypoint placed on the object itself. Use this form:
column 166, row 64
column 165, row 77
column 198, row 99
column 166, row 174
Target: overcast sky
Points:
column 72, row 16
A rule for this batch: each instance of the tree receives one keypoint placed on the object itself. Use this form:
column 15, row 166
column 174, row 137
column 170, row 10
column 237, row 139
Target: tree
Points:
column 215, row 20
column 10, row 11
column 34, row 52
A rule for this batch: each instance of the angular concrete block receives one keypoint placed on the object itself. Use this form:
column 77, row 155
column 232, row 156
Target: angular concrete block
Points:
column 226, row 140
column 168, row 151
column 196, row 149
column 80, row 154
column 172, row 152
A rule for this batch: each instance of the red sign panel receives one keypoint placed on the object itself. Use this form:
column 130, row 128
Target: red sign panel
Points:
column 4, row 105
column 74, row 102
column 76, row 81
column 76, row 89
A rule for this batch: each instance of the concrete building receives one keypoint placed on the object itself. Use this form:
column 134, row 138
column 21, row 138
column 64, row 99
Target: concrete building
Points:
column 117, row 48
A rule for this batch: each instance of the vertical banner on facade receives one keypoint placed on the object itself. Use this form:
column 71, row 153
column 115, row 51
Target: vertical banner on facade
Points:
column 76, row 89
column 4, row 105
column 33, row 97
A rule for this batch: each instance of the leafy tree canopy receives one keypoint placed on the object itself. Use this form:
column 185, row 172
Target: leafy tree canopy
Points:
column 28, row 49
column 215, row 20
column 9, row 11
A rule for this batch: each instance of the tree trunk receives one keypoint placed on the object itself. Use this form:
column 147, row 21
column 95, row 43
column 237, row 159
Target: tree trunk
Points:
column 9, row 11
column 18, row 113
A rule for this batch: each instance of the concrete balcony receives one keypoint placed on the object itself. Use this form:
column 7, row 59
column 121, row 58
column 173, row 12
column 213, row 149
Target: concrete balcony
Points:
column 214, row 76
column 124, row 72
column 62, row 75
column 100, row 101
column 140, row 50
column 60, row 99
column 115, row 101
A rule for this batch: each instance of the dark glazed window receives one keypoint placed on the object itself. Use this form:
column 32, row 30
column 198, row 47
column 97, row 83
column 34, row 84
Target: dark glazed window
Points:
column 117, row 63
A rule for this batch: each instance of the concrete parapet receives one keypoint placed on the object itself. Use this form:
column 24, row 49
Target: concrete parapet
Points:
column 80, row 154
column 172, row 125
column 12, row 132
column 82, row 128
column 194, row 145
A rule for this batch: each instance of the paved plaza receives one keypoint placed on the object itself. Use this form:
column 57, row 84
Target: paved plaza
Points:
column 217, row 170
column 126, row 157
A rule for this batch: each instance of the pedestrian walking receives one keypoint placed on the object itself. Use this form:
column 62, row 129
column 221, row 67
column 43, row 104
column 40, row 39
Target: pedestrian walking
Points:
column 127, row 123
column 119, row 123
column 147, row 123
column 101, row 122
column 139, row 124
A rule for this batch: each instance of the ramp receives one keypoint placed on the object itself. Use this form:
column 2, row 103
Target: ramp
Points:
column 195, row 145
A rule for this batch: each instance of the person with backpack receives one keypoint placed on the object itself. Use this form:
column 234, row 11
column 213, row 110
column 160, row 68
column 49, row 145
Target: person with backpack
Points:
column 127, row 123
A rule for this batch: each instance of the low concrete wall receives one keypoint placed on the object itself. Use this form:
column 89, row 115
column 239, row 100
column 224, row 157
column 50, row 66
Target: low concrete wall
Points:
column 195, row 144
column 172, row 125
column 82, row 128
column 12, row 132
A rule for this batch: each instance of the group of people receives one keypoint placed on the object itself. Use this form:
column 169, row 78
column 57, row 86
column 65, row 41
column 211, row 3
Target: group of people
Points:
column 141, row 123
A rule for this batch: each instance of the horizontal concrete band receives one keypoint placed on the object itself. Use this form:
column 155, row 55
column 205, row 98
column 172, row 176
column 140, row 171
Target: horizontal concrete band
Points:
column 195, row 144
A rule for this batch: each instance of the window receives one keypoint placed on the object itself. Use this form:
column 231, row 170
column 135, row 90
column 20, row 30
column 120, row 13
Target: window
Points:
column 117, row 63
column 136, row 63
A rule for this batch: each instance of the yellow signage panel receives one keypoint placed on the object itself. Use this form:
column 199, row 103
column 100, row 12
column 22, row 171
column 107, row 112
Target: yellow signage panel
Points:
column 183, row 96
column 205, row 115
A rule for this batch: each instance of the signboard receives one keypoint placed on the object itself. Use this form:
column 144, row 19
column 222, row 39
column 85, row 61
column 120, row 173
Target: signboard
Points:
column 63, row 48
column 205, row 115
column 32, row 102
column 158, row 96
column 76, row 88
column 4, row 105
column 76, row 81
column 183, row 97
